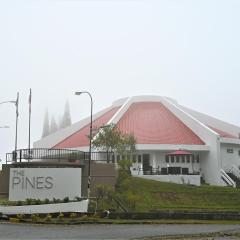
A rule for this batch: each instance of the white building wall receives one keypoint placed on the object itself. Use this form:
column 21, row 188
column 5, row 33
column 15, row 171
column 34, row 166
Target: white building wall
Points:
column 229, row 159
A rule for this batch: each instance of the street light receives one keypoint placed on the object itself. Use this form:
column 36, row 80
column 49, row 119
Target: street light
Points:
column 16, row 104
column 90, row 141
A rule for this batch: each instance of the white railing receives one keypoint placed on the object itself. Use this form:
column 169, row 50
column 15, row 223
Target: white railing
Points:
column 235, row 171
column 227, row 179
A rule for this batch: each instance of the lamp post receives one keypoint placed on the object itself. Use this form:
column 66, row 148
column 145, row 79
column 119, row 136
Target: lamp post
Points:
column 16, row 104
column 90, row 140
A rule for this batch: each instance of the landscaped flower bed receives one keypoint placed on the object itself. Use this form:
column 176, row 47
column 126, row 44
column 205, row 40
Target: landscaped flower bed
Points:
column 29, row 207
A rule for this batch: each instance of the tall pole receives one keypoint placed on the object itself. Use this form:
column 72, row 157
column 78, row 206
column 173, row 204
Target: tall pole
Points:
column 16, row 133
column 29, row 119
column 90, row 141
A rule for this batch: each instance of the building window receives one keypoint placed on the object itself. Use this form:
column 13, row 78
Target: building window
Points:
column 118, row 158
column 167, row 159
column 197, row 158
column 188, row 159
column 183, row 159
column 134, row 157
column 177, row 159
column 229, row 150
column 123, row 157
column 172, row 159
column 193, row 158
column 139, row 158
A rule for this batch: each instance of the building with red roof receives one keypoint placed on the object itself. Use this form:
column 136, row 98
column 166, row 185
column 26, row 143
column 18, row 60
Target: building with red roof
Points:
column 174, row 143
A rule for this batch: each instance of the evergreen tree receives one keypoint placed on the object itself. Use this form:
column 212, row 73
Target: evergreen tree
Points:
column 45, row 131
column 66, row 119
column 53, row 125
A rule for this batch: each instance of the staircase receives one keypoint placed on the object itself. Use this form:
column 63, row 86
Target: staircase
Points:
column 234, row 178
column 227, row 180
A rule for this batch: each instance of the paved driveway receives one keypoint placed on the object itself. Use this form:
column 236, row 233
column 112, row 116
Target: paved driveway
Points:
column 105, row 231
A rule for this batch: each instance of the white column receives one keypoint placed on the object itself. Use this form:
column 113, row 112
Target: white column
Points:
column 154, row 159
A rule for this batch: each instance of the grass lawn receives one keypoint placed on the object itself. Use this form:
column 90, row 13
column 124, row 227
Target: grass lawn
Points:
column 143, row 195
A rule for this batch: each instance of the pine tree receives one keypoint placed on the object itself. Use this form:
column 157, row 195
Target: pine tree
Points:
column 45, row 131
column 66, row 119
column 53, row 125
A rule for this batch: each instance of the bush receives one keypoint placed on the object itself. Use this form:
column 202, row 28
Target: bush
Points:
column 46, row 201
column 20, row 216
column 60, row 216
column 14, row 220
column 66, row 199
column 84, row 217
column 37, row 202
column 77, row 198
column 73, row 216
column 35, row 217
column 19, row 203
column 56, row 200
column 29, row 201
column 48, row 218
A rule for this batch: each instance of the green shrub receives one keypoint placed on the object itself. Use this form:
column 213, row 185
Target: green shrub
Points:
column 73, row 215
column 35, row 217
column 14, row 220
column 20, row 216
column 83, row 217
column 46, row 201
column 56, row 200
column 60, row 216
column 48, row 218
column 66, row 199
column 29, row 201
column 37, row 201
column 19, row 203
column 77, row 198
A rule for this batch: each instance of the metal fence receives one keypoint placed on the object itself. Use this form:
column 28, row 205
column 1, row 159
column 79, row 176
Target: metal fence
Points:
column 66, row 155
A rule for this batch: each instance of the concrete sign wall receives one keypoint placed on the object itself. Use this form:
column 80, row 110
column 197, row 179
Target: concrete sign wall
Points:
column 42, row 183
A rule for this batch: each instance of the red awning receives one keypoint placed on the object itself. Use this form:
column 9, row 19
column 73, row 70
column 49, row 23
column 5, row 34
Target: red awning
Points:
column 180, row 152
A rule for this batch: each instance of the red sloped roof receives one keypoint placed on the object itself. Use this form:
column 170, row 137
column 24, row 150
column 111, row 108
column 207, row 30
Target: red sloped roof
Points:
column 80, row 138
column 222, row 133
column 153, row 123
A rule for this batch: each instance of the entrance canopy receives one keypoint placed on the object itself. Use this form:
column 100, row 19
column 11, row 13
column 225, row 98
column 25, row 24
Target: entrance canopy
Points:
column 179, row 153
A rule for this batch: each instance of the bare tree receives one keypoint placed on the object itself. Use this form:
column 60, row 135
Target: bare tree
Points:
column 53, row 125
column 66, row 119
column 45, row 131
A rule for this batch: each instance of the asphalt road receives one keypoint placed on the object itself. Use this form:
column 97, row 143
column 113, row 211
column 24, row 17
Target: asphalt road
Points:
column 106, row 231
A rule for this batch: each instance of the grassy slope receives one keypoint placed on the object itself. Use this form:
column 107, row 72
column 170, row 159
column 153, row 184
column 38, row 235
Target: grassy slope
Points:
column 152, row 195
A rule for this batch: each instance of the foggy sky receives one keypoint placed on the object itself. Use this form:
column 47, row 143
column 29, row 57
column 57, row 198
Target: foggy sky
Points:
column 187, row 50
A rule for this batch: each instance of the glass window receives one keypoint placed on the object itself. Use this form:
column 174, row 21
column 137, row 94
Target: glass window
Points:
column 229, row 150
column 183, row 159
column 197, row 158
column 123, row 157
column 193, row 158
column 167, row 159
column 139, row 158
column 188, row 158
column 178, row 159
column 118, row 158
column 172, row 159
column 134, row 158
